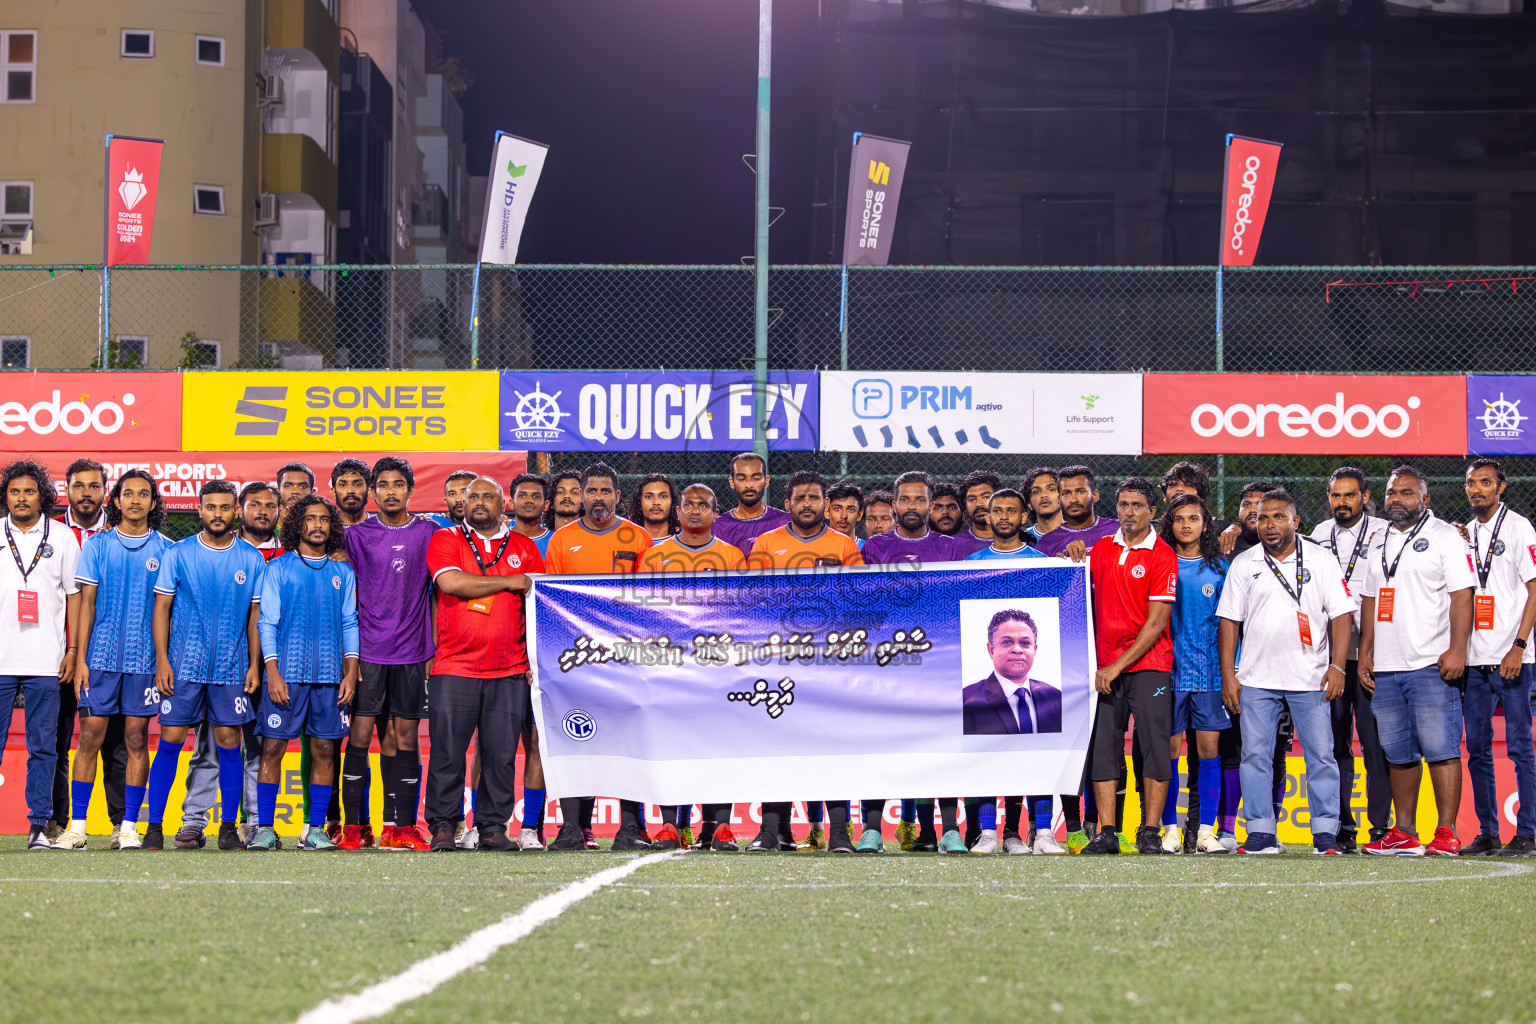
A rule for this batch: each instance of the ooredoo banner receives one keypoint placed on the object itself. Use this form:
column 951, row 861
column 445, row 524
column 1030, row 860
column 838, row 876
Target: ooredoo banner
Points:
column 133, row 181
column 339, row 410
column 1284, row 414
column 90, row 412
column 1245, row 192
column 180, row 475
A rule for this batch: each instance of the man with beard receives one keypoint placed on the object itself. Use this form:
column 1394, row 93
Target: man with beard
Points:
column 258, row 519
column 845, row 507
column 207, row 653
column 530, row 503
column 454, row 489
column 752, row 517
column 879, row 514
column 309, row 641
column 1296, row 623
column 85, row 483
column 1080, row 527
column 599, row 542
column 388, row 554
column 479, row 681
column 1415, row 618
column 530, row 500
column 564, row 499
column 1043, row 495
column 295, row 480
column 975, row 494
column 349, row 489
column 946, row 519
column 1499, row 658
column 1347, row 535
column 805, row 543
column 653, row 504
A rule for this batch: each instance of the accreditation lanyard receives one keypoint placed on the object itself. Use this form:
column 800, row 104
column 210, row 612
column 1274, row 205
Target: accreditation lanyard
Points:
column 483, row 605
column 1333, row 542
column 1389, row 571
column 1303, row 621
column 1485, row 563
column 26, row 600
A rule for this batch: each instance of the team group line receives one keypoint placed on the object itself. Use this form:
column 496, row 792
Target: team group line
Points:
column 291, row 615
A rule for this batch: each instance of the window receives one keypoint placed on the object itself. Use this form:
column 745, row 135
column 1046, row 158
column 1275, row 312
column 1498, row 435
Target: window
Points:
column 208, row 199
column 18, row 66
column 15, row 353
column 199, row 354
column 210, row 51
column 137, row 43
column 15, row 216
column 132, row 352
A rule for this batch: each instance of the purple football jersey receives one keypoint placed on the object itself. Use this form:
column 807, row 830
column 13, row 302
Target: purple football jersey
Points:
column 894, row 549
column 1055, row 542
column 394, row 590
column 742, row 533
column 967, row 543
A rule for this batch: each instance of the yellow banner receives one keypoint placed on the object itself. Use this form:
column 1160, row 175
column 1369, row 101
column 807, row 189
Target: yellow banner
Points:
column 339, row 410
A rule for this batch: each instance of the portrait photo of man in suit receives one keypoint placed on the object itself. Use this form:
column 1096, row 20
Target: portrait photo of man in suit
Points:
column 1009, row 702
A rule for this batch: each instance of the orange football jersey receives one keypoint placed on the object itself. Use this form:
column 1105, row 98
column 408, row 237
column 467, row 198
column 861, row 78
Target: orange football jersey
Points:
column 672, row 555
column 785, row 549
column 575, row 549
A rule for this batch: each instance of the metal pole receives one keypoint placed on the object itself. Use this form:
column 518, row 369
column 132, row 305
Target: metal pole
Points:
column 103, row 344
column 842, row 328
column 760, row 257
column 1219, row 348
column 474, row 321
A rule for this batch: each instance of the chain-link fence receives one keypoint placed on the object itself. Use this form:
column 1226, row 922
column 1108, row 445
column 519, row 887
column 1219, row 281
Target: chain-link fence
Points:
column 1276, row 319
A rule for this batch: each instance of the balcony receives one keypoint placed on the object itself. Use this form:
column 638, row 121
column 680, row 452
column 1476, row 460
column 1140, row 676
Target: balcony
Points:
column 305, row 25
column 296, row 164
column 429, row 216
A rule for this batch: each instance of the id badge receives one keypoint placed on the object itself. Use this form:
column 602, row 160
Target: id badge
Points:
column 1304, row 623
column 1482, row 611
column 1384, row 604
column 481, row 605
column 26, row 606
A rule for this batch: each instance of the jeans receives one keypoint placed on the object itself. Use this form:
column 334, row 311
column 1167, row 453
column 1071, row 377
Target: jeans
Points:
column 1486, row 689
column 1352, row 715
column 1260, row 723
column 1418, row 714
column 202, row 779
column 42, row 717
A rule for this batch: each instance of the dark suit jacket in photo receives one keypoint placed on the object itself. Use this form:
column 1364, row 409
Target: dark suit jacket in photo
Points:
column 988, row 712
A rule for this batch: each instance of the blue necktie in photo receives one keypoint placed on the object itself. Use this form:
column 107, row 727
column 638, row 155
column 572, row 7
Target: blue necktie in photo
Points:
column 1026, row 723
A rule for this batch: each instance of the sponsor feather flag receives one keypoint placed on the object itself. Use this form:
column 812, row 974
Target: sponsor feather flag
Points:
column 874, row 188
column 515, row 167
column 133, row 179
column 1245, row 192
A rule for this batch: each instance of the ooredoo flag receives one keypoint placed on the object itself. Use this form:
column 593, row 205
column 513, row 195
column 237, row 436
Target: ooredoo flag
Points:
column 133, row 179
column 1245, row 192
column 515, row 168
column 874, row 187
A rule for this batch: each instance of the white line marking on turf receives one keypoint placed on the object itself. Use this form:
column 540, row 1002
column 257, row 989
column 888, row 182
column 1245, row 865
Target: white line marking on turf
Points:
column 476, row 948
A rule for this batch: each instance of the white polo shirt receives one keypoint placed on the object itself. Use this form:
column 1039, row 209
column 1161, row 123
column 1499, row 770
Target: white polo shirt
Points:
column 1511, row 567
column 1435, row 564
column 1273, row 656
column 35, row 648
column 1342, row 543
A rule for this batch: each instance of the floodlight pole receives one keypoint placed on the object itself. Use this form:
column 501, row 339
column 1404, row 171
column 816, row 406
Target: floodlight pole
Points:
column 760, row 252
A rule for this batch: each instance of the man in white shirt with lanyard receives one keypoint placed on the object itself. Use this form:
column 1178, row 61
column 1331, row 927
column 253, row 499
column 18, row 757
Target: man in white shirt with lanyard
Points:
column 1295, row 620
column 1415, row 617
column 1499, row 658
column 1348, row 536
column 39, row 599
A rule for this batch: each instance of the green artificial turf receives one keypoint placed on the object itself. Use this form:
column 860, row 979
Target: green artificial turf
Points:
column 785, row 937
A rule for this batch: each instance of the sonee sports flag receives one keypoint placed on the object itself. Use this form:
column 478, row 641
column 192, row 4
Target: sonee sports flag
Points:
column 515, row 167
column 133, row 179
column 1245, row 193
column 874, row 188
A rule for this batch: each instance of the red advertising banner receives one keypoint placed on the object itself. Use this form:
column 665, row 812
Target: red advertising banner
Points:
column 1283, row 414
column 180, row 474
column 1245, row 193
column 133, row 180
column 90, row 412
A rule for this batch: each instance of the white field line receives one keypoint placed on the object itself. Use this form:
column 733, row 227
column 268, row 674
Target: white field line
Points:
column 422, row 977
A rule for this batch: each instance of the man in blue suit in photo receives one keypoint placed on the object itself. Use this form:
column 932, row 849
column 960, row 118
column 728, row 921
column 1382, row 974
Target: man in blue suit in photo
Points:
column 1008, row 702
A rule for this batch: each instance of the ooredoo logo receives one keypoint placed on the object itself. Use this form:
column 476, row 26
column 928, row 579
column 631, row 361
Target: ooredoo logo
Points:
column 54, row 414
column 1296, row 420
column 1242, row 218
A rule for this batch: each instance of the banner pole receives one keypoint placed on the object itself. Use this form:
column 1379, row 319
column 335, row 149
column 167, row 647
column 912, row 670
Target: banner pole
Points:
column 842, row 328
column 103, row 344
column 474, row 320
column 760, row 249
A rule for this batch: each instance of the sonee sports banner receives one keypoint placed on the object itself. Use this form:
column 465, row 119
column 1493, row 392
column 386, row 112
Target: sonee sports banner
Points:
column 874, row 189
column 797, row 684
column 133, row 180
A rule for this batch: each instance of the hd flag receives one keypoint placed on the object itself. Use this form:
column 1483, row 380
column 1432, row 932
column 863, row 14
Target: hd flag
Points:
column 874, row 188
column 515, row 167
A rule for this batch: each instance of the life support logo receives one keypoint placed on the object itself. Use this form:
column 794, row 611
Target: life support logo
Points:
column 1422, row 544
column 239, row 576
column 152, row 564
column 579, row 726
column 1209, row 590
column 1138, row 571
column 274, row 721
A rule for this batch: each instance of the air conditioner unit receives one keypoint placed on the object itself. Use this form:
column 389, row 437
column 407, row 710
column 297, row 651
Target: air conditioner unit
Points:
column 266, row 210
column 269, row 89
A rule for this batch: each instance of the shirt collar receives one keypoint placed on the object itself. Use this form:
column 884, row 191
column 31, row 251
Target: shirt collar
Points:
column 69, row 521
column 502, row 532
column 1146, row 543
column 40, row 525
column 1010, row 687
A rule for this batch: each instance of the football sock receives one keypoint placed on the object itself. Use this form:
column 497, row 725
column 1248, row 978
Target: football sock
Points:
column 570, row 810
column 80, row 797
column 1210, row 789
column 133, row 800
column 909, row 811
column 266, row 803
column 771, row 818
column 986, row 814
column 684, row 815
column 1072, row 810
column 874, row 813
column 533, row 809
column 333, row 804
column 813, row 812
column 837, row 814
column 923, row 816
column 231, row 780
column 305, row 767
column 1043, row 813
column 1231, row 795
column 947, row 815
column 1191, row 779
column 354, row 782
column 408, row 788
column 588, row 807
column 1171, row 804
column 1013, row 812
column 162, row 773
column 630, row 813
column 669, row 814
column 319, row 805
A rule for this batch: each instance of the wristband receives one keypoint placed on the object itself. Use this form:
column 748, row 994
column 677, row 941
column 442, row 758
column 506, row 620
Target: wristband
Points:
column 1520, row 643
column 1337, row 668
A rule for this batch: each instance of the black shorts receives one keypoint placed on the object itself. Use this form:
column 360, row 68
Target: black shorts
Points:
column 399, row 690
column 1144, row 699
